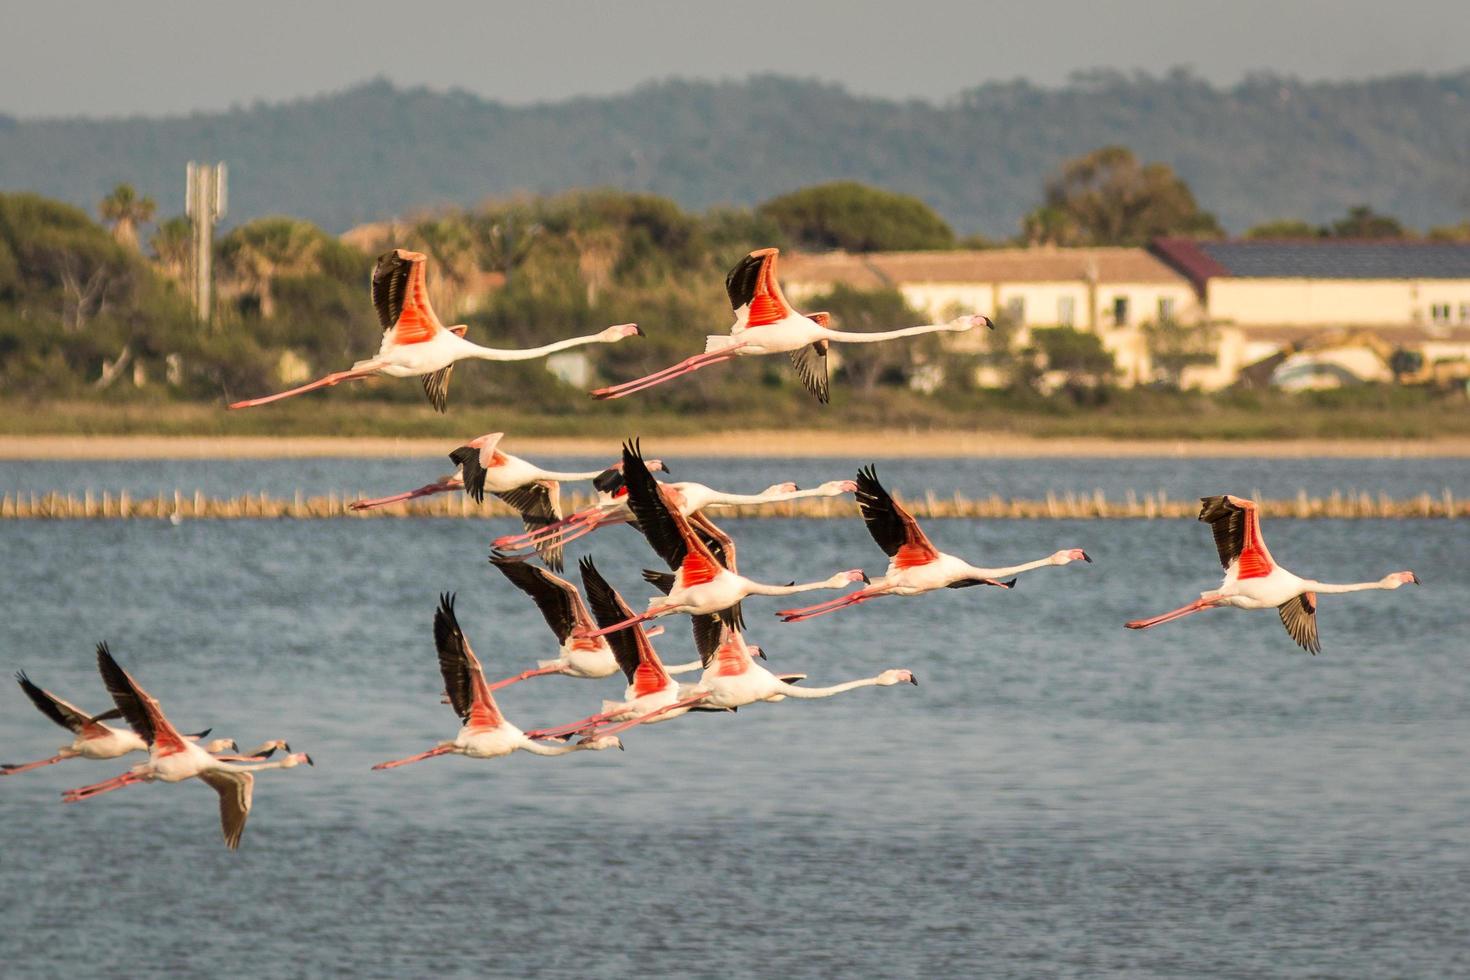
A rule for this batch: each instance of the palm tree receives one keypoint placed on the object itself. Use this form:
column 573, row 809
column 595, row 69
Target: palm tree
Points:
column 255, row 254
column 125, row 211
column 173, row 247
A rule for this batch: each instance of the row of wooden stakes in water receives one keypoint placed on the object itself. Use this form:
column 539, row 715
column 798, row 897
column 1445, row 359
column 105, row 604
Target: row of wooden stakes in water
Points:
column 1071, row 506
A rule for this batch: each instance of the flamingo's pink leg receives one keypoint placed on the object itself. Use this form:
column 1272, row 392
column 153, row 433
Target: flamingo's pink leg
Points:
column 1198, row 605
column 615, row 627
column 423, row 491
column 335, row 378
column 10, row 769
column 831, row 605
column 686, row 366
column 530, row 539
column 572, row 728
column 643, row 719
column 525, row 674
column 439, row 750
column 96, row 789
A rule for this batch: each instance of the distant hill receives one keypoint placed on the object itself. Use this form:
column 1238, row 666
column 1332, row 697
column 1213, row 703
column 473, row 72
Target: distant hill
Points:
column 1269, row 147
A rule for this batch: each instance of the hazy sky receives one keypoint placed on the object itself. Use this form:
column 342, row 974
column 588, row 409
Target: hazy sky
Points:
column 169, row 56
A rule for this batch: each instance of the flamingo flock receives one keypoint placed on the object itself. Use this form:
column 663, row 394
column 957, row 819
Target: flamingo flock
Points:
column 598, row 633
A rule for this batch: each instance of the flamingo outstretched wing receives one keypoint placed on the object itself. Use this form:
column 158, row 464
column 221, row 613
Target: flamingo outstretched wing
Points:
column 634, row 652
column 139, row 708
column 464, row 678
column 1236, row 524
column 65, row 714
column 235, row 790
column 1299, row 616
column 560, row 605
column 892, row 527
column 755, row 294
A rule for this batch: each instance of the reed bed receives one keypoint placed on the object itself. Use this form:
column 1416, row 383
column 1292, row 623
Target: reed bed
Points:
column 179, row 505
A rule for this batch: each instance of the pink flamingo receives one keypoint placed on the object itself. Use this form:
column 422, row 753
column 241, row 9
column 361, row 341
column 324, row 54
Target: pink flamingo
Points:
column 486, row 734
column 732, row 679
column 702, row 583
column 915, row 565
column 481, row 467
column 652, row 693
column 766, row 324
column 1253, row 580
column 94, row 740
column 172, row 758
column 562, row 608
column 416, row 344
column 691, row 498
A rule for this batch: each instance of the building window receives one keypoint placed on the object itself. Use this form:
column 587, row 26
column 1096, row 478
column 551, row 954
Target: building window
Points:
column 1067, row 310
column 1439, row 312
column 1120, row 311
column 1166, row 309
column 1465, row 312
column 1016, row 310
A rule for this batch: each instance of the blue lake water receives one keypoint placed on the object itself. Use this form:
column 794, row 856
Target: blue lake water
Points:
column 1058, row 797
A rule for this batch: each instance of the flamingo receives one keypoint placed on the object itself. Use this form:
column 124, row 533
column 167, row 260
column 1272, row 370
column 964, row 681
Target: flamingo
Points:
column 702, row 583
column 766, row 324
column 486, row 734
column 562, row 608
column 480, row 466
column 94, row 740
column 732, row 679
column 915, row 566
column 691, row 498
column 652, row 693
column 172, row 758
column 416, row 344
column 1253, row 580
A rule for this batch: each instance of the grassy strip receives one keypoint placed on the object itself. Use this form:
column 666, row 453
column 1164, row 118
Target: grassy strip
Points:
column 1119, row 415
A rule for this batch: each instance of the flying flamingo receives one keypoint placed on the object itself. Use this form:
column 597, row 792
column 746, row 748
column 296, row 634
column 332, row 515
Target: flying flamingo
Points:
column 562, row 608
column 1253, row 580
column 702, row 583
column 691, row 498
column 416, row 344
column 172, row 758
column 766, row 324
column 732, row 679
column 480, row 466
column 486, row 734
column 652, row 694
column 95, row 740
column 915, row 566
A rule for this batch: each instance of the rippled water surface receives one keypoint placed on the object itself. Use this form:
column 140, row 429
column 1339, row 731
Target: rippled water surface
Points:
column 1059, row 797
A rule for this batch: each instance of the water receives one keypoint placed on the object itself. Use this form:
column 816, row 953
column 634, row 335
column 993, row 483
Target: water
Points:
column 1059, row 797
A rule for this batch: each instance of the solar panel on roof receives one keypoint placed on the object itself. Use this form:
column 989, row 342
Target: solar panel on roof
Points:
column 1342, row 260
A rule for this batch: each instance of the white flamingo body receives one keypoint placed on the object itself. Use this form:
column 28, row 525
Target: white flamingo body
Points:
column 1253, row 579
column 915, row 566
column 766, row 324
column 173, row 757
column 486, row 733
column 734, row 679
column 416, row 344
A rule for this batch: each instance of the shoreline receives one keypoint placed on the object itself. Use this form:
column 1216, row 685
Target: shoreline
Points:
column 818, row 444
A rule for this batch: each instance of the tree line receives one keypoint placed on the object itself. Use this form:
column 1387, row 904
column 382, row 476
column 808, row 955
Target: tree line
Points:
column 86, row 309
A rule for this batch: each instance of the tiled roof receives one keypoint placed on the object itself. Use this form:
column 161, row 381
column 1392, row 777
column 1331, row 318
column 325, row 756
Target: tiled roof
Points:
column 1316, row 259
column 878, row 269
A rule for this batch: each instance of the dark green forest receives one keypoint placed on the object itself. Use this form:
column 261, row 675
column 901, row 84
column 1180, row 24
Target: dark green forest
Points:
column 1267, row 148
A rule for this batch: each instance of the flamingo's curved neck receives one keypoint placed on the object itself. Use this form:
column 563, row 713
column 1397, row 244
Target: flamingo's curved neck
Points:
column 1328, row 588
column 527, row 353
column 844, row 337
column 796, row 691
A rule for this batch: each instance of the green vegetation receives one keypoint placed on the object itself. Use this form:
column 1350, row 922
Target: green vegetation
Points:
column 1108, row 197
column 858, row 218
column 1267, row 146
column 95, row 337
